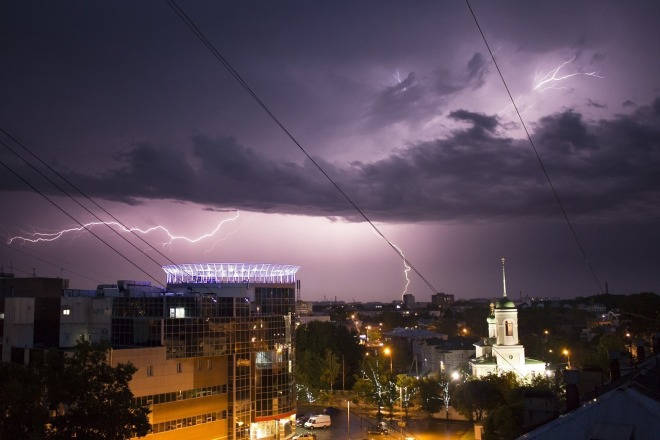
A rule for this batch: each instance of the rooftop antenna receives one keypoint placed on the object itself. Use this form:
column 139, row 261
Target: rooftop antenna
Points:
column 503, row 278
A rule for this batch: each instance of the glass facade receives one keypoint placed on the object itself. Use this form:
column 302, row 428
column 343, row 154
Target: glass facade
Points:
column 247, row 324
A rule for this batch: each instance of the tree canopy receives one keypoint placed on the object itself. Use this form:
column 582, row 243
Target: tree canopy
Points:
column 325, row 351
column 87, row 398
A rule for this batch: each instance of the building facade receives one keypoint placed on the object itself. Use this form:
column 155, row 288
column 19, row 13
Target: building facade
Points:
column 214, row 351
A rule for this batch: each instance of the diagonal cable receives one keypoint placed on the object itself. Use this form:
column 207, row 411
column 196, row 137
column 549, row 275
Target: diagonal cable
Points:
column 75, row 220
column 200, row 35
column 536, row 153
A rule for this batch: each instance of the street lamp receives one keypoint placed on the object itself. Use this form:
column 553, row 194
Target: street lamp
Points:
column 388, row 352
column 568, row 357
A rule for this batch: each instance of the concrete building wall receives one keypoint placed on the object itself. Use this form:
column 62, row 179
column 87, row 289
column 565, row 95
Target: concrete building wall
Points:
column 18, row 326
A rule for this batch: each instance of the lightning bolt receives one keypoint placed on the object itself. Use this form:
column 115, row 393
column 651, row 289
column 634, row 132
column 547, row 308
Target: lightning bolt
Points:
column 397, row 76
column 406, row 270
column 545, row 82
column 38, row 237
column 406, row 266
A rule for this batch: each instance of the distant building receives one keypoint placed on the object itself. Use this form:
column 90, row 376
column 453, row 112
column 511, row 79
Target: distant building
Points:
column 444, row 356
column 214, row 351
column 304, row 308
column 442, row 299
column 406, row 338
column 409, row 300
column 596, row 308
column 502, row 351
column 306, row 319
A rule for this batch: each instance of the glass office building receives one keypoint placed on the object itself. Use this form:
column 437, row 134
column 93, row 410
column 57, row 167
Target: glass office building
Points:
column 226, row 331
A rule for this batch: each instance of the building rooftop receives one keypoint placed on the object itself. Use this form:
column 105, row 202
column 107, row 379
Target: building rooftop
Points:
column 198, row 273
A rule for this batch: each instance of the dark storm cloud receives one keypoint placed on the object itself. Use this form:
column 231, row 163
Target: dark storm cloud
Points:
column 480, row 121
column 413, row 101
column 398, row 102
column 592, row 103
column 472, row 77
column 600, row 169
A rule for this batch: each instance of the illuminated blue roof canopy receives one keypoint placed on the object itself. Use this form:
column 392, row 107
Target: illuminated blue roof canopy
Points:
column 197, row 273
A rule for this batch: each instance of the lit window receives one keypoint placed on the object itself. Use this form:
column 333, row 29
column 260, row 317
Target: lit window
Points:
column 509, row 328
column 177, row 312
column 209, row 364
column 66, row 311
column 150, row 370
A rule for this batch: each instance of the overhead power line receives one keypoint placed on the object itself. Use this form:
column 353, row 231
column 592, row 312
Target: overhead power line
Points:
column 88, row 229
column 80, row 191
column 536, row 153
column 59, row 266
column 200, row 35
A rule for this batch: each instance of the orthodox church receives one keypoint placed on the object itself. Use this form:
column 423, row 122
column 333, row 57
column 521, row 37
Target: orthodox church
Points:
column 502, row 351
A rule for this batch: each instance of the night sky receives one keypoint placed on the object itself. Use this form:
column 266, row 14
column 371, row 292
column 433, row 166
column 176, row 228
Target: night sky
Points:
column 399, row 103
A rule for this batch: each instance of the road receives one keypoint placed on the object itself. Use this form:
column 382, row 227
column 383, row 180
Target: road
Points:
column 416, row 428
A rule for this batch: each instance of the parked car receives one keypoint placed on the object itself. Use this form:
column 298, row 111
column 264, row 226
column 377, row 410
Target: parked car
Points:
column 331, row 410
column 300, row 420
column 378, row 430
column 305, row 435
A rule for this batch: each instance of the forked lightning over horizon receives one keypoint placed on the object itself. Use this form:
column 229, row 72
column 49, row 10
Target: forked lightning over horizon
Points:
column 36, row 237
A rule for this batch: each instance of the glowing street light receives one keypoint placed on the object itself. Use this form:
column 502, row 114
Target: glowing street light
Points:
column 568, row 356
column 388, row 352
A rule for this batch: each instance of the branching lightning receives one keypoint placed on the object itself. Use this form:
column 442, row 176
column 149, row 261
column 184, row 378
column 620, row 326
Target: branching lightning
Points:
column 38, row 237
column 547, row 81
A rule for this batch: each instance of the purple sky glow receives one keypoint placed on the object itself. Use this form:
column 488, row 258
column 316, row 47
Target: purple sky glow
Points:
column 399, row 102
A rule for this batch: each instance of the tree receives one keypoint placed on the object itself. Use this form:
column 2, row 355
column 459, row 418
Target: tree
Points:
column 316, row 337
column 330, row 369
column 476, row 397
column 308, row 374
column 505, row 422
column 22, row 415
column 375, row 384
column 92, row 399
column 429, row 395
column 408, row 389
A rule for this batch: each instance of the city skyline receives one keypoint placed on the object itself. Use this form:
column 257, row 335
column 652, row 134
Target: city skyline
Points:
column 400, row 104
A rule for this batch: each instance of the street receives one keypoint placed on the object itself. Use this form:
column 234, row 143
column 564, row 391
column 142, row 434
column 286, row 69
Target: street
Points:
column 417, row 428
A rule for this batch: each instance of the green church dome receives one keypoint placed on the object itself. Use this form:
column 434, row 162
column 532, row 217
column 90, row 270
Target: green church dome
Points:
column 506, row 304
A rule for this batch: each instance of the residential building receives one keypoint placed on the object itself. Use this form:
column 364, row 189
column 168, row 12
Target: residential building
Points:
column 214, row 351
column 444, row 356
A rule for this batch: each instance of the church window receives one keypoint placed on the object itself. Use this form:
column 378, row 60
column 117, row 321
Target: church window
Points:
column 509, row 328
